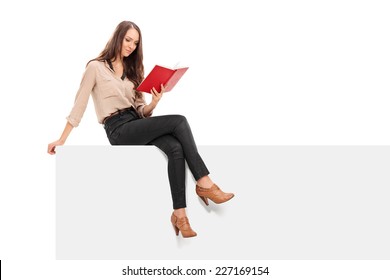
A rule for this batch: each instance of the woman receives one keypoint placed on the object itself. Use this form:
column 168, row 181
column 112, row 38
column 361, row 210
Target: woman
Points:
column 111, row 80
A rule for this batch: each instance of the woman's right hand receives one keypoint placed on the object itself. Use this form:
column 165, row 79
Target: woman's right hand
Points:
column 51, row 148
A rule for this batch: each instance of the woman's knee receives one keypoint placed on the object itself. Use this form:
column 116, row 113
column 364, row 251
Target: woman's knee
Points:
column 181, row 121
column 179, row 118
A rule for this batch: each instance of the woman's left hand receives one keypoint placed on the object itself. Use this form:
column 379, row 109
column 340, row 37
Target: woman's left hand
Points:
column 156, row 96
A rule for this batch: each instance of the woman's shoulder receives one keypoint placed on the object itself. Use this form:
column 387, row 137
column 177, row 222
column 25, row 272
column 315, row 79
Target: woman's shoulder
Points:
column 95, row 64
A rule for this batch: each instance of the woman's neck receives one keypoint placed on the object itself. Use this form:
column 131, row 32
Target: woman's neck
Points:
column 117, row 65
column 117, row 62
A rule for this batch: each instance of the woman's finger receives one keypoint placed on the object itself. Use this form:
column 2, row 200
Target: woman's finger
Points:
column 51, row 149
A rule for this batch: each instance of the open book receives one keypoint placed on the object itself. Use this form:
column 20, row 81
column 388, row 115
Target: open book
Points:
column 161, row 75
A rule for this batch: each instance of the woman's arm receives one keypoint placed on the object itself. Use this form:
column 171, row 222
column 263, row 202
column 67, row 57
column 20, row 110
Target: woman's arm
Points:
column 52, row 146
column 87, row 83
column 156, row 96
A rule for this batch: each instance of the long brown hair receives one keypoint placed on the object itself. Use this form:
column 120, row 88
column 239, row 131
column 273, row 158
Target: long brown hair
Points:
column 134, row 67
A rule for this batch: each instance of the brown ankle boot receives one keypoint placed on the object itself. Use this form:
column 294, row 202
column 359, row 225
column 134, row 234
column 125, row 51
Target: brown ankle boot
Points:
column 214, row 193
column 182, row 224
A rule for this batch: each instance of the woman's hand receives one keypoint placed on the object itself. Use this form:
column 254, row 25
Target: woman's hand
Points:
column 51, row 148
column 156, row 96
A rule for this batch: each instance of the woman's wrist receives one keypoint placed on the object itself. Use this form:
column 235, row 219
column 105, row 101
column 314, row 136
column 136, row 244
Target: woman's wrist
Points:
column 153, row 104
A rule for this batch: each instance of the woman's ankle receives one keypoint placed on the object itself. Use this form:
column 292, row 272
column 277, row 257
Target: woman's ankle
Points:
column 205, row 182
column 180, row 212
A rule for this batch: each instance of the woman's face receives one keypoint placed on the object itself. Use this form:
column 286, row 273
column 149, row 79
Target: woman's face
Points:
column 130, row 42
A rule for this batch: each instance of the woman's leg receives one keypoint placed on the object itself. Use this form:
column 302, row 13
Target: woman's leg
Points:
column 176, row 168
column 144, row 131
column 176, row 173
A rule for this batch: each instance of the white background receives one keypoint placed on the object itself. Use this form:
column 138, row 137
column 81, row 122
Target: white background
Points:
column 261, row 73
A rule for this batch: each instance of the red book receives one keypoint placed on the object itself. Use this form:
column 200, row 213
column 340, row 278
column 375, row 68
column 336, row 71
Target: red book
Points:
column 161, row 75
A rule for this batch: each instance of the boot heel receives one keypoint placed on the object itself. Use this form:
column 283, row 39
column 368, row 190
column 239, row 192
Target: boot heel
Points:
column 205, row 200
column 182, row 225
column 176, row 229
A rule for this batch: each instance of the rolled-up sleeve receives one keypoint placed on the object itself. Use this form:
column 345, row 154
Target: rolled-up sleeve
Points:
column 87, row 84
column 140, row 104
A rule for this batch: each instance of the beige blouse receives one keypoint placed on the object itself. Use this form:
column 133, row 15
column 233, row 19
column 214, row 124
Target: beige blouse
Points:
column 109, row 93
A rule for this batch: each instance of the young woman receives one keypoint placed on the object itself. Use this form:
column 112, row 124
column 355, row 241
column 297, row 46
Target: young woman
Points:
column 111, row 80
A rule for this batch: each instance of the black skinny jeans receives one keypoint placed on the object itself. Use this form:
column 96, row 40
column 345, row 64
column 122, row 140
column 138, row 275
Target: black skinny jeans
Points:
column 171, row 134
